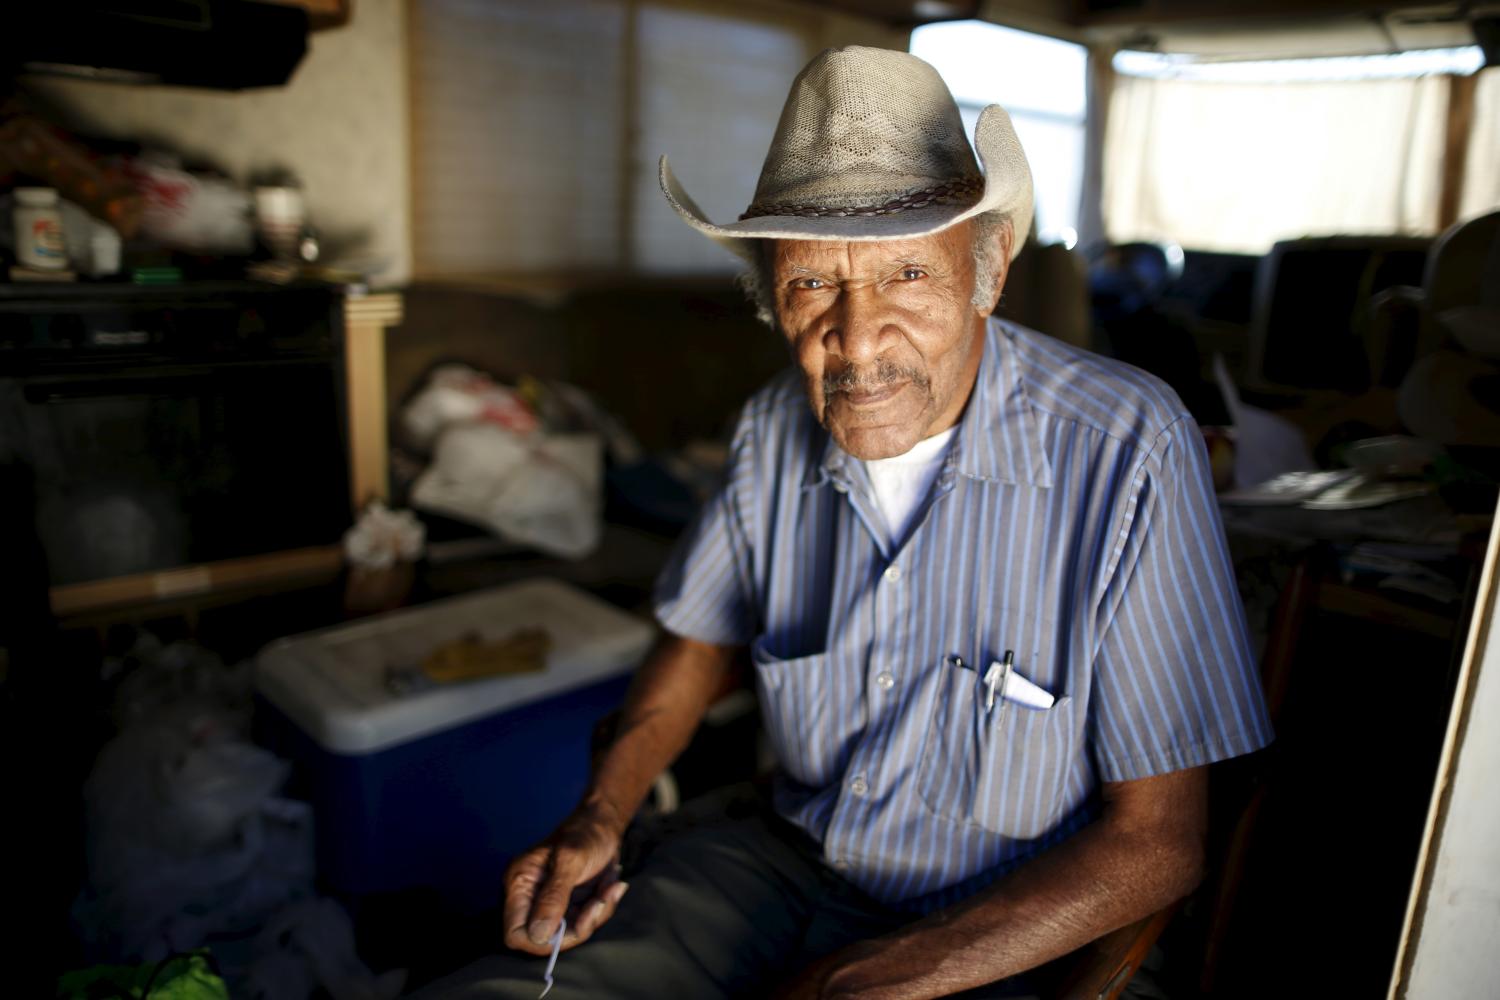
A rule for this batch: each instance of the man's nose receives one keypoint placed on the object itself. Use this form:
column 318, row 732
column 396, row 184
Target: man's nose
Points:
column 855, row 333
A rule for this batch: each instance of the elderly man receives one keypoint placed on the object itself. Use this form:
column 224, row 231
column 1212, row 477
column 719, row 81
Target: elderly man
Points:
column 982, row 581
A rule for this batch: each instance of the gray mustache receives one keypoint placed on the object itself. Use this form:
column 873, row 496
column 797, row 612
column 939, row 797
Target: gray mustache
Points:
column 878, row 376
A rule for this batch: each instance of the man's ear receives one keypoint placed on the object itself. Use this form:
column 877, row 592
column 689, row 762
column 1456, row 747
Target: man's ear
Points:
column 1002, row 237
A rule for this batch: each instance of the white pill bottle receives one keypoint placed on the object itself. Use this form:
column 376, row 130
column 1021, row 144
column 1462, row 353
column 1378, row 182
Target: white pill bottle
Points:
column 39, row 232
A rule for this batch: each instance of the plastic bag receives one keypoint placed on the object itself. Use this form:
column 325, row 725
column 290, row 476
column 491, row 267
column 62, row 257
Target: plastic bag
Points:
column 182, row 679
column 180, row 977
column 525, row 463
column 457, row 394
column 311, row 944
column 185, row 841
column 545, row 490
column 186, row 835
column 188, row 841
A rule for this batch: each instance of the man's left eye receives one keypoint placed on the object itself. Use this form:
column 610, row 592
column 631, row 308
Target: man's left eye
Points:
column 912, row 273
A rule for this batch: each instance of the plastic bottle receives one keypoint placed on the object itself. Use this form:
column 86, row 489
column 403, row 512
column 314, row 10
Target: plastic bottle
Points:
column 104, row 251
column 39, row 232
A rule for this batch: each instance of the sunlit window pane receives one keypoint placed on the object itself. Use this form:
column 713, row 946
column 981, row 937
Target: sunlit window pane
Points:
column 984, row 63
column 1041, row 81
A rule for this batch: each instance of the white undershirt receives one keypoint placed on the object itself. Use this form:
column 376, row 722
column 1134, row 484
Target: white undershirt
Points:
column 903, row 482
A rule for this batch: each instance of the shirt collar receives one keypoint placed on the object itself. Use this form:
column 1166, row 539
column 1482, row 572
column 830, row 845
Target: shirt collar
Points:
column 998, row 437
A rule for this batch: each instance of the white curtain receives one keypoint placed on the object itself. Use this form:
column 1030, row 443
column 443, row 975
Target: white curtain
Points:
column 1481, row 192
column 1237, row 166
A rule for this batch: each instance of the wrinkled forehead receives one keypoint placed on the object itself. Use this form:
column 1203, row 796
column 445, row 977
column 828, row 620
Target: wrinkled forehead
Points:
column 846, row 257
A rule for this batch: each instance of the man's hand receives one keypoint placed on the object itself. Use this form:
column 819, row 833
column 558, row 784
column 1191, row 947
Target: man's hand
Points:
column 581, row 857
column 670, row 693
column 818, row 981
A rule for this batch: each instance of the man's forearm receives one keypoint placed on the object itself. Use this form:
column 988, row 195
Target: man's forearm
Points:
column 666, row 702
column 667, row 699
column 1112, row 873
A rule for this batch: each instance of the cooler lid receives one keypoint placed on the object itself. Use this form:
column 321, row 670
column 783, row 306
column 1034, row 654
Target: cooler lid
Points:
column 332, row 682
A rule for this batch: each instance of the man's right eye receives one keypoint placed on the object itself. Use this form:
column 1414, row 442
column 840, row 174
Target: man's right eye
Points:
column 811, row 284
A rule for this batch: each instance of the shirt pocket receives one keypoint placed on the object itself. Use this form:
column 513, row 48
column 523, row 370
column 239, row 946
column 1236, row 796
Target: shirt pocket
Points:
column 795, row 711
column 1002, row 771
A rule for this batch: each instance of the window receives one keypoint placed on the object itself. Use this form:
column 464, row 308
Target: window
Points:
column 1481, row 190
column 537, row 127
column 713, row 112
column 1234, row 156
column 1042, row 82
column 517, row 135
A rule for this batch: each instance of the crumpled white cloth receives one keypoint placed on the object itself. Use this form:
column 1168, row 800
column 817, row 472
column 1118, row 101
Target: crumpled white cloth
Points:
column 382, row 536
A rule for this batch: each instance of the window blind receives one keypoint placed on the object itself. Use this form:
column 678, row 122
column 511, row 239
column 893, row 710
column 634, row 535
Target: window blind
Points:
column 517, row 135
column 711, row 90
column 537, row 127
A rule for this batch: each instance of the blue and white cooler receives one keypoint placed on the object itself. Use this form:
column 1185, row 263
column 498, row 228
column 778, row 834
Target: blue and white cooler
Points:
column 441, row 787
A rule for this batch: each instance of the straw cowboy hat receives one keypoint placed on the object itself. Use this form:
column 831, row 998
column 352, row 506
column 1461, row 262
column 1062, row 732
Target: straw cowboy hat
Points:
column 870, row 146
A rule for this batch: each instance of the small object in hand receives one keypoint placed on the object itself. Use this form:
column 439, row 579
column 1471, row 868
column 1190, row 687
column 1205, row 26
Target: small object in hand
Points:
column 562, row 925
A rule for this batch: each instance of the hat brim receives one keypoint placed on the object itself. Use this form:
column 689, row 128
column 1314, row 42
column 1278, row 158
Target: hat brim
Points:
column 1007, row 188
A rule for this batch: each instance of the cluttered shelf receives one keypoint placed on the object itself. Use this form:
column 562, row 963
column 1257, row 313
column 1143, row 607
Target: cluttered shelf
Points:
column 123, row 290
column 239, row 618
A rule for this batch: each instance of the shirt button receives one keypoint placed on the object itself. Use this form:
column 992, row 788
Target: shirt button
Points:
column 840, row 488
column 884, row 680
column 859, row 786
column 893, row 573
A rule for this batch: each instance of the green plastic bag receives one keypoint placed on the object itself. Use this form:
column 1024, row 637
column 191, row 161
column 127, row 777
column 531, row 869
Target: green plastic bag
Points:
column 188, row 976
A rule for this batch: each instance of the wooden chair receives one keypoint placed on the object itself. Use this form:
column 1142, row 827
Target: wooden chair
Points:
column 1103, row 968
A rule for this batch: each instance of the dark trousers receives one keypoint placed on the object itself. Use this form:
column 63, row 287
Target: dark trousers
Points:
column 725, row 907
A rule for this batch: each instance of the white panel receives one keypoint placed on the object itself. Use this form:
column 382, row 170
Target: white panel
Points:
column 711, row 90
column 517, row 128
column 1448, row 946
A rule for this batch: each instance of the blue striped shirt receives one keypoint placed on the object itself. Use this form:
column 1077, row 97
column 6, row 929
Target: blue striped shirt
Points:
column 1073, row 522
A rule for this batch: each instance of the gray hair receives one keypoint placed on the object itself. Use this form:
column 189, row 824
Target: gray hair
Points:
column 759, row 288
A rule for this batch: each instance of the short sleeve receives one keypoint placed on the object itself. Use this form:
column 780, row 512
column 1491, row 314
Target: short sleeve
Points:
column 704, row 592
column 1175, row 682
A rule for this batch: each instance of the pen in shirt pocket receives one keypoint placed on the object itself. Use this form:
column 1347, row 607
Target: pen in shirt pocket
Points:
column 1004, row 683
